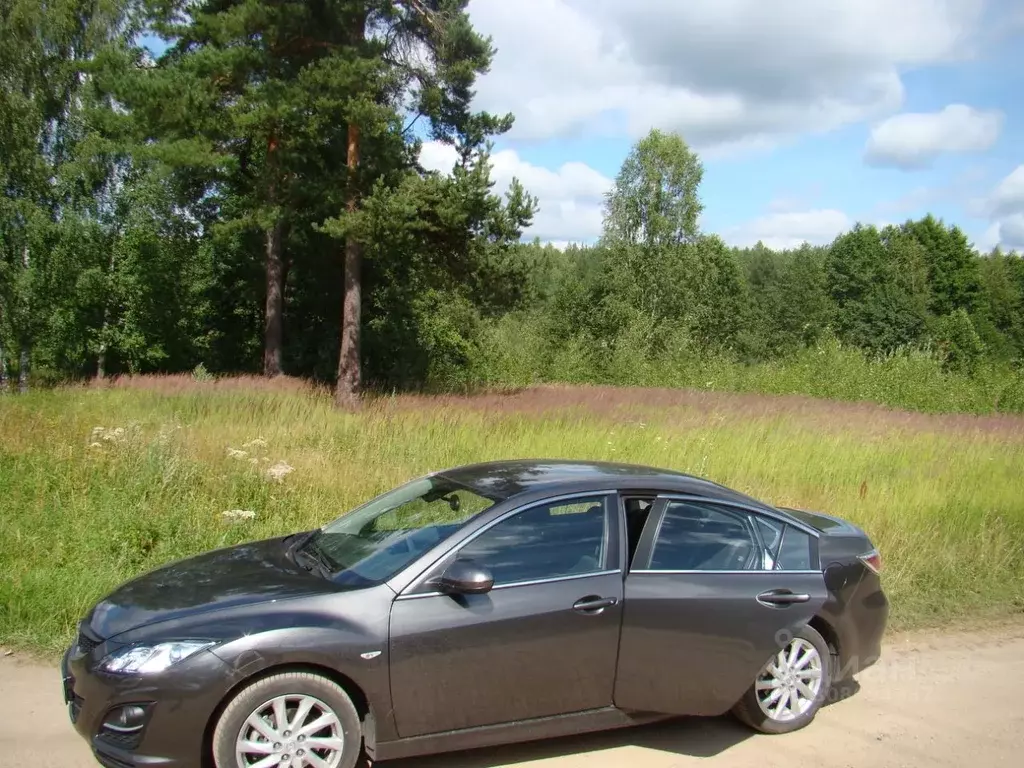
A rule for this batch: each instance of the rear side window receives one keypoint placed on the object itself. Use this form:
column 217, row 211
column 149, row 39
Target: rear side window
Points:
column 795, row 553
column 701, row 537
column 786, row 548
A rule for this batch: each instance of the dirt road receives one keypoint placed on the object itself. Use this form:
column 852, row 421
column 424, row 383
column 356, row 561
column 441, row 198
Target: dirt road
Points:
column 950, row 700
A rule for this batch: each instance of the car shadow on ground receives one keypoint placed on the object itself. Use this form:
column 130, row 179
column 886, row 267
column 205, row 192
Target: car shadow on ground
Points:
column 700, row 737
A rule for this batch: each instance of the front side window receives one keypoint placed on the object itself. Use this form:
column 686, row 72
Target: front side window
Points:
column 702, row 537
column 375, row 541
column 550, row 541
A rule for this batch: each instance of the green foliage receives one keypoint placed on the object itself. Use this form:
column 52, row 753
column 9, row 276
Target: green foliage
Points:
column 960, row 345
column 655, row 200
column 874, row 282
column 952, row 265
column 789, row 302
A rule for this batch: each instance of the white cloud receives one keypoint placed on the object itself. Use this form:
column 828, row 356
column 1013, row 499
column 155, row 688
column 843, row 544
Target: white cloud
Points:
column 570, row 199
column 723, row 72
column 1005, row 208
column 1008, row 197
column 438, row 156
column 989, row 238
column 791, row 229
column 1011, row 232
column 914, row 139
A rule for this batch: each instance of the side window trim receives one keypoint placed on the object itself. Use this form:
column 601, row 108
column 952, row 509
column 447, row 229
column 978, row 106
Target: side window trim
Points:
column 758, row 523
column 649, row 537
column 613, row 544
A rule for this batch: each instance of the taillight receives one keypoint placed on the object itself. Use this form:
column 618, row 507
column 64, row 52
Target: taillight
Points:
column 872, row 560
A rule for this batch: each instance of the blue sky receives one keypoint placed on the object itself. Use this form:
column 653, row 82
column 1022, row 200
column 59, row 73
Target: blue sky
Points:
column 780, row 99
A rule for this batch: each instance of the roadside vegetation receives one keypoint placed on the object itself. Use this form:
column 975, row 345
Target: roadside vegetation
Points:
column 102, row 484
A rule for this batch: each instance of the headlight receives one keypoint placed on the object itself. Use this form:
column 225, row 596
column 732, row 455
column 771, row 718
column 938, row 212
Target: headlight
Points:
column 149, row 659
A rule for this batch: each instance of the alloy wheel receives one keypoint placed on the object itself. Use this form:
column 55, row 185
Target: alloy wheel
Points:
column 789, row 684
column 297, row 731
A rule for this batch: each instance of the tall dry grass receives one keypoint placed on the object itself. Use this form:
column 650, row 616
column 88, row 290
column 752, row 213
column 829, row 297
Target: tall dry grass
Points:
column 99, row 484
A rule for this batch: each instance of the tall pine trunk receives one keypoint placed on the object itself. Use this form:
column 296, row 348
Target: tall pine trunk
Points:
column 349, row 374
column 23, row 366
column 3, row 368
column 346, row 394
column 24, row 342
column 273, row 333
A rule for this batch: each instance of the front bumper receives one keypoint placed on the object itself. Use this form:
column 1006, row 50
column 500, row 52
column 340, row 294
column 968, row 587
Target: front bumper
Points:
column 178, row 704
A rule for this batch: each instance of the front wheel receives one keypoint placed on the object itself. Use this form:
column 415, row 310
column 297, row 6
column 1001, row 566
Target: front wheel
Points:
column 790, row 688
column 289, row 720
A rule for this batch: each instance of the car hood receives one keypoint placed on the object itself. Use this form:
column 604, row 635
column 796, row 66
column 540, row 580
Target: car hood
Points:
column 240, row 575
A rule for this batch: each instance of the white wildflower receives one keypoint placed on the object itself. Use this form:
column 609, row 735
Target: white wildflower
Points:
column 95, row 445
column 234, row 453
column 278, row 472
column 106, row 434
column 238, row 514
column 256, row 442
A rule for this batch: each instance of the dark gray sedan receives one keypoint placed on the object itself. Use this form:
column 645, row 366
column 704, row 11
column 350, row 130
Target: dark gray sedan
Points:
column 485, row 604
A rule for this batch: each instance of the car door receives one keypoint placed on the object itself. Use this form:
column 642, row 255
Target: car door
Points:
column 542, row 642
column 708, row 601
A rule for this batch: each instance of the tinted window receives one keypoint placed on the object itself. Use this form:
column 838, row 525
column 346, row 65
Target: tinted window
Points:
column 795, row 554
column 545, row 542
column 786, row 548
column 696, row 537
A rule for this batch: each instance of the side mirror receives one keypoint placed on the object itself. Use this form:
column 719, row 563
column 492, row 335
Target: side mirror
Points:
column 464, row 577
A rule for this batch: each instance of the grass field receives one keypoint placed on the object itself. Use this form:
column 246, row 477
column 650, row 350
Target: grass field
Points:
column 98, row 485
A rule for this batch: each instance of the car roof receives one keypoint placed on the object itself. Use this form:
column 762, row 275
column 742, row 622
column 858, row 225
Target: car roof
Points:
column 502, row 480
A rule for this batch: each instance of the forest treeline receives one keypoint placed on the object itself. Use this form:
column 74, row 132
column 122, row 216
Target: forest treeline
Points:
column 250, row 199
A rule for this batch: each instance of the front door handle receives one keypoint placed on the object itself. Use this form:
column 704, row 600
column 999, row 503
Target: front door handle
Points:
column 779, row 598
column 593, row 604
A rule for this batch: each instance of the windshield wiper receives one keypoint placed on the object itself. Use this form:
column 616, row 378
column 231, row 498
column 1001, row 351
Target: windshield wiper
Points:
column 312, row 552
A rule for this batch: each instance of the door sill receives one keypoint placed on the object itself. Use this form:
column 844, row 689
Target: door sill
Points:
column 605, row 718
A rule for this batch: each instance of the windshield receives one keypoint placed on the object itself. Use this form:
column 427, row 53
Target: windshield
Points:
column 375, row 541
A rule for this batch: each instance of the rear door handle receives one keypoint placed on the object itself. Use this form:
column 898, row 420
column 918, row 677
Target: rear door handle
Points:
column 779, row 598
column 594, row 605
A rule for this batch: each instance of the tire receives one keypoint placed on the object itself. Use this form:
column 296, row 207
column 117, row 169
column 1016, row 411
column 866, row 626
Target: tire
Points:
column 318, row 695
column 796, row 715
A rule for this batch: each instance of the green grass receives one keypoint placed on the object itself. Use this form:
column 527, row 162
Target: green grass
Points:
column 943, row 500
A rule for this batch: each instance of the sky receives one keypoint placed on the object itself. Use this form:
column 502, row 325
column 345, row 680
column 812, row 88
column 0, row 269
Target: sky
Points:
column 808, row 115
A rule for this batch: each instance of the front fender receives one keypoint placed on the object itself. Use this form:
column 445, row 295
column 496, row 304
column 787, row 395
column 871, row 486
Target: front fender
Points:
column 345, row 634
column 350, row 645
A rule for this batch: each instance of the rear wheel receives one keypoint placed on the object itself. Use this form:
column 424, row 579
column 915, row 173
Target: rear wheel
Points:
column 290, row 720
column 791, row 687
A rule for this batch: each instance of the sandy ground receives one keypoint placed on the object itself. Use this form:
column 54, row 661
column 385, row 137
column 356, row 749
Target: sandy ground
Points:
column 934, row 700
